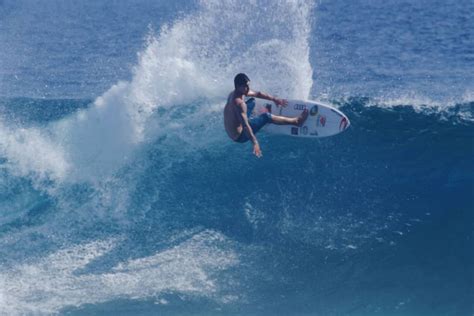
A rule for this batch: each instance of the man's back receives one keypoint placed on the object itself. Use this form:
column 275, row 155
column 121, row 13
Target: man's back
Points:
column 232, row 117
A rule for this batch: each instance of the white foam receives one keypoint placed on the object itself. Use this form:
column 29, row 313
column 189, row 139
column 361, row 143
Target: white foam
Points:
column 31, row 150
column 50, row 284
column 424, row 104
column 253, row 215
column 2, row 295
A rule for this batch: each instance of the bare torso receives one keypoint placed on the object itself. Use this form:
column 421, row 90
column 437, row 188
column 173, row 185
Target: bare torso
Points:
column 232, row 118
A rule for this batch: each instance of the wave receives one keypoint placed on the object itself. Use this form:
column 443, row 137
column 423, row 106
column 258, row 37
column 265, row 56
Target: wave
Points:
column 94, row 173
column 360, row 196
column 139, row 183
column 153, row 177
column 459, row 111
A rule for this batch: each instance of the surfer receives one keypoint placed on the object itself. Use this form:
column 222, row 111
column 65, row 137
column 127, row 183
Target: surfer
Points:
column 239, row 126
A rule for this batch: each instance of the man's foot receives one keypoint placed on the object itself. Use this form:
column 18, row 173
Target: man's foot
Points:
column 302, row 118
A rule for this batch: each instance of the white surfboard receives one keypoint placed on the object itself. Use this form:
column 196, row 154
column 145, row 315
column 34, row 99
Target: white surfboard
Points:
column 323, row 119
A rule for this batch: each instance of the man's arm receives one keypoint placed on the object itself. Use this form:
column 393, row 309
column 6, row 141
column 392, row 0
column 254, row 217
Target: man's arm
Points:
column 266, row 96
column 248, row 129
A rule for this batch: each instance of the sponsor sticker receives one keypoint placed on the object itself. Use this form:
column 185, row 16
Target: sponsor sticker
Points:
column 320, row 121
column 299, row 107
column 343, row 124
column 314, row 110
column 268, row 107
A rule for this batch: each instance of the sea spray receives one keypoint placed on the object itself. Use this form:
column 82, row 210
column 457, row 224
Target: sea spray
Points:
column 191, row 59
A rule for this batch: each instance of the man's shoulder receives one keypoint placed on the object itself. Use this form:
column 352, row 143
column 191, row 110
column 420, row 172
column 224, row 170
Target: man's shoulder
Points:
column 233, row 100
column 238, row 101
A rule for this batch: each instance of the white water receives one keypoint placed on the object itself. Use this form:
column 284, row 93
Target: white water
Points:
column 194, row 59
column 56, row 281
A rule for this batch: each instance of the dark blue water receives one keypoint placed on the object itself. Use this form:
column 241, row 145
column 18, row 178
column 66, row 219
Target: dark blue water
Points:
column 120, row 193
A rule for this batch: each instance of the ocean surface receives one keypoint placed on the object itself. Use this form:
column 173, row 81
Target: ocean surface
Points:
column 121, row 194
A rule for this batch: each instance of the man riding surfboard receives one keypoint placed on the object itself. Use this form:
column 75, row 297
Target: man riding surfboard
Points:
column 237, row 121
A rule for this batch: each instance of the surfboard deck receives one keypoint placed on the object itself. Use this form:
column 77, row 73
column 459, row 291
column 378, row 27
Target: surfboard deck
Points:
column 323, row 119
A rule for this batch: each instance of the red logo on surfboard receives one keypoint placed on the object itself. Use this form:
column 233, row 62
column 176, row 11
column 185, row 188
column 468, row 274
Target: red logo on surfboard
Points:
column 320, row 120
column 343, row 124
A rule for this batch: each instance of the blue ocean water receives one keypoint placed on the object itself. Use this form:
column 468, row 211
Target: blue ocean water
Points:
column 120, row 193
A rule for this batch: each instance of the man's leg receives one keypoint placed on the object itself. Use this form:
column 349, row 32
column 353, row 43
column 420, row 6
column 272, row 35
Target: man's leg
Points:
column 284, row 120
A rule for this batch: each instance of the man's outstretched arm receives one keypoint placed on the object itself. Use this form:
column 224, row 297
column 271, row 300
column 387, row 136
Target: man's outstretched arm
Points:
column 266, row 96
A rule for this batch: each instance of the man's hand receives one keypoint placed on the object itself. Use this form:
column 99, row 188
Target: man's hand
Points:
column 281, row 102
column 256, row 150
